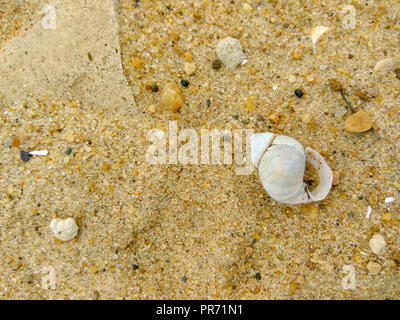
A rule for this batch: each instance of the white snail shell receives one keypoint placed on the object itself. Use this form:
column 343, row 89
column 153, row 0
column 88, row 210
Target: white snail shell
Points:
column 281, row 162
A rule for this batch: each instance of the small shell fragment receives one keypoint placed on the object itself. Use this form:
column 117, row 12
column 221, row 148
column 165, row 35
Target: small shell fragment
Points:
column 385, row 65
column 389, row 199
column 316, row 33
column 369, row 210
column 39, row 153
column 64, row 230
column 229, row 51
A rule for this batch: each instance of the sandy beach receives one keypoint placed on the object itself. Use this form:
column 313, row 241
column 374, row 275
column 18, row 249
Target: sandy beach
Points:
column 196, row 231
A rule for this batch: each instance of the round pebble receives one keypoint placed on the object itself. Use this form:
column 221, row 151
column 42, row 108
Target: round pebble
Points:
column 374, row 268
column 229, row 51
column 217, row 64
column 385, row 65
column 184, row 82
column 171, row 97
column 64, row 230
column 25, row 156
column 377, row 243
column 358, row 122
column 154, row 88
column 298, row 93
column 189, row 68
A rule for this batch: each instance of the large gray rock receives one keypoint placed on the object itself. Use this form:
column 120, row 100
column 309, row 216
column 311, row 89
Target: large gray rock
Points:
column 79, row 59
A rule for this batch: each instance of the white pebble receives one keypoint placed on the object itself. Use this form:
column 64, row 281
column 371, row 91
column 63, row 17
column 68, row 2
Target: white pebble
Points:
column 377, row 243
column 64, row 230
column 230, row 52
column 385, row 65
column 389, row 199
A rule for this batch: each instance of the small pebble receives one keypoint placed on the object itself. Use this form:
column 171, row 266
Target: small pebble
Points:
column 171, row 97
column 28, row 278
column 247, row 8
column 374, row 268
column 336, row 177
column 68, row 152
column 235, row 116
column 64, row 230
column 229, row 51
column 258, row 276
column 306, row 117
column 189, row 68
column 184, row 279
column 260, row 118
column 152, row 108
column 25, row 156
column 208, row 102
column 135, row 267
column 298, row 93
column 358, row 122
column 217, row 64
column 297, row 53
column 184, row 82
column 12, row 141
column 385, row 65
column 154, row 88
column 377, row 243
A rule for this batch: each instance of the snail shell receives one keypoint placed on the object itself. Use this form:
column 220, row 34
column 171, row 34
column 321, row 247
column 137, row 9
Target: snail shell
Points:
column 281, row 162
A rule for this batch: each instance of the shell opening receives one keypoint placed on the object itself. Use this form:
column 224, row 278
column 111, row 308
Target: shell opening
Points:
column 324, row 173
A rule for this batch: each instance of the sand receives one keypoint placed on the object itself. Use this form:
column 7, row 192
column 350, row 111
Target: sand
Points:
column 202, row 231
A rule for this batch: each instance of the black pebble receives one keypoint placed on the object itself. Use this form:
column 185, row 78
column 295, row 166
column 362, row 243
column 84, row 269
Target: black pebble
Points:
column 216, row 64
column 135, row 267
column 68, row 152
column 184, row 82
column 208, row 102
column 298, row 93
column 184, row 279
column 154, row 88
column 25, row 156
column 258, row 276
column 235, row 116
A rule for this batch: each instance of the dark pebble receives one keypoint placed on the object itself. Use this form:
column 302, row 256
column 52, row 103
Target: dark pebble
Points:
column 68, row 152
column 245, row 121
column 235, row 116
column 154, row 88
column 184, row 82
column 298, row 93
column 184, row 279
column 260, row 118
column 135, row 267
column 25, row 156
column 258, row 276
column 208, row 102
column 216, row 64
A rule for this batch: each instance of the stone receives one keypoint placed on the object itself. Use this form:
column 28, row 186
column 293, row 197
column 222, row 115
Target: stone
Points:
column 336, row 177
column 80, row 58
column 229, row 51
column 358, row 122
column 374, row 268
column 64, row 230
column 385, row 65
column 189, row 68
column 171, row 97
column 377, row 243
